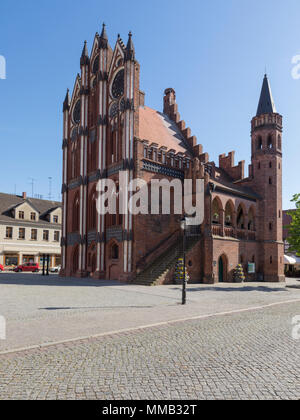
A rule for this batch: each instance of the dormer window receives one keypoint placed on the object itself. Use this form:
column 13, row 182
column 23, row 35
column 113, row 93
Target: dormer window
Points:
column 21, row 215
column 32, row 216
column 55, row 219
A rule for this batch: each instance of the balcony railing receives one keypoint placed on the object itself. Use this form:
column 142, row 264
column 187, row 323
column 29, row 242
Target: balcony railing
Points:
column 217, row 230
column 229, row 232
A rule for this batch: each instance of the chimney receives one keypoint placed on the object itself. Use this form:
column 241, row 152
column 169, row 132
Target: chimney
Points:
column 24, row 195
column 170, row 106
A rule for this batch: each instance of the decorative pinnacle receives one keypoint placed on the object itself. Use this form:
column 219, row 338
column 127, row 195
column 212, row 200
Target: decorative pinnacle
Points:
column 103, row 41
column 67, row 101
column 130, row 53
column 103, row 33
column 85, row 55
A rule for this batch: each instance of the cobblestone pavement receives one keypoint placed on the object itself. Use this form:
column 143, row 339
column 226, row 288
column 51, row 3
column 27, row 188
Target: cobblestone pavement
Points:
column 45, row 310
column 250, row 355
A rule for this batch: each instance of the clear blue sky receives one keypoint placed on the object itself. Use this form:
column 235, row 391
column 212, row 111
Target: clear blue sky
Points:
column 213, row 53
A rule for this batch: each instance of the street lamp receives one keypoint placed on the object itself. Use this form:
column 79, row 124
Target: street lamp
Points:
column 183, row 228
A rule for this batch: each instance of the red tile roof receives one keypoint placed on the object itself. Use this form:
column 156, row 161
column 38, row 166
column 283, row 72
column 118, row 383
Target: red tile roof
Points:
column 158, row 128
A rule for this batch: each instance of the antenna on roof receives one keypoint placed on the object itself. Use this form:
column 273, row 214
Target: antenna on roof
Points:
column 32, row 181
column 50, row 188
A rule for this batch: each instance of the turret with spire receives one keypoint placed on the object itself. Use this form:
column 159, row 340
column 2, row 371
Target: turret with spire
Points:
column 266, row 122
column 67, row 101
column 266, row 180
column 103, row 39
column 130, row 53
column 85, row 55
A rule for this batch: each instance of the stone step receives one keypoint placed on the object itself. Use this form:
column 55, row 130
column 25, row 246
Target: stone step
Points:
column 160, row 268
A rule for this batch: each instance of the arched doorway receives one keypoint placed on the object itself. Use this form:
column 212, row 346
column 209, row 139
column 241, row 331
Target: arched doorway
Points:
column 222, row 269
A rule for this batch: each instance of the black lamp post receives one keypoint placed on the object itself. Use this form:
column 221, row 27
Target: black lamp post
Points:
column 183, row 228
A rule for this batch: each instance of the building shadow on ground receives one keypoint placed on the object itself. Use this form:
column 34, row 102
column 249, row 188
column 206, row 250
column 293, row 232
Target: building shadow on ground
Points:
column 238, row 289
column 75, row 308
column 53, row 280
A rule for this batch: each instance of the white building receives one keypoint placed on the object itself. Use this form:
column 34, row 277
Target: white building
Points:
column 29, row 228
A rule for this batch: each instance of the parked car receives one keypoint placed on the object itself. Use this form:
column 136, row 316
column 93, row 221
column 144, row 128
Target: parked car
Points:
column 55, row 269
column 1, row 268
column 33, row 267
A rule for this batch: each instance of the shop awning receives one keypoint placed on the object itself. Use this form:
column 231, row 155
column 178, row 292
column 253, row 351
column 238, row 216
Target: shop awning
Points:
column 291, row 260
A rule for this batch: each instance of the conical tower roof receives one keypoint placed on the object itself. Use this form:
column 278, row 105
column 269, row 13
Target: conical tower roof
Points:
column 266, row 103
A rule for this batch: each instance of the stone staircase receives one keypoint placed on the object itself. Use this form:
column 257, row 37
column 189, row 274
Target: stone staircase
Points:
column 156, row 272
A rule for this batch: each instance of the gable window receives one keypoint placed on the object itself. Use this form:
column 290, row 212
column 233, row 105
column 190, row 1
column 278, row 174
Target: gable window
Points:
column 32, row 216
column 9, row 233
column 21, row 233
column 33, row 234
column 45, row 235
column 56, row 236
column 55, row 219
column 21, row 215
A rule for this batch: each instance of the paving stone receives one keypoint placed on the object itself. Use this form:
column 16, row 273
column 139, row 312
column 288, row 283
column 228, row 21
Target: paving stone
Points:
column 248, row 355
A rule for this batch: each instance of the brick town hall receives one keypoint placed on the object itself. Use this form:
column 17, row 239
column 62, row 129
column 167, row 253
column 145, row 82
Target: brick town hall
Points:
column 108, row 129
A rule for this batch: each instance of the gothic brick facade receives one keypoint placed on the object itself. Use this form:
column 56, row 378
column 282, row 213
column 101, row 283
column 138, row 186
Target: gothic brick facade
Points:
column 108, row 129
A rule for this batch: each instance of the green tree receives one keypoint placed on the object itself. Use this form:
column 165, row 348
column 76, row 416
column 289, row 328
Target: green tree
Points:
column 294, row 227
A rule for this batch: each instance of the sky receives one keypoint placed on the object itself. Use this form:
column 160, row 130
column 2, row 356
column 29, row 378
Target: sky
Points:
column 213, row 53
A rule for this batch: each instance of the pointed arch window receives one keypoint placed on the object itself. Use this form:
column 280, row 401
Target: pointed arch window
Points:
column 229, row 214
column 216, row 212
column 75, row 215
column 251, row 220
column 259, row 143
column 92, row 211
column 114, row 252
column 74, row 161
column 270, row 142
column 240, row 218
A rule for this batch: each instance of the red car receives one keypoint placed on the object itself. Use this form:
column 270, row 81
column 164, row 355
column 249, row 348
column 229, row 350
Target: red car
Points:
column 33, row 267
column 1, row 268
